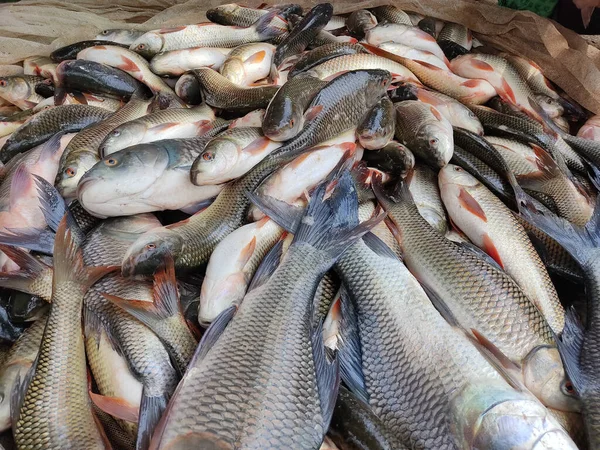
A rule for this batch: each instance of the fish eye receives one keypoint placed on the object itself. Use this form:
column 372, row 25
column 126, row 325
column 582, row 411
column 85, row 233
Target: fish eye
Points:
column 141, row 46
column 111, row 162
column 105, row 32
column 70, row 172
column 433, row 141
column 208, row 156
column 116, row 133
column 457, row 169
column 3, row 83
column 291, row 122
column 567, row 388
column 150, row 246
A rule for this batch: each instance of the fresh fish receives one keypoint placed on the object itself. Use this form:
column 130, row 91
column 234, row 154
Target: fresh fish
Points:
column 230, row 155
column 424, row 190
column 563, row 123
column 208, row 35
column 415, row 54
column 241, row 16
column 425, row 132
column 391, row 14
column 464, row 90
column 110, row 104
column 324, row 53
column 119, row 36
column 455, row 40
column 590, row 129
column 232, row 265
column 10, row 70
column 551, row 107
column 82, row 152
column 303, row 33
column 144, row 178
column 404, row 34
column 361, row 61
column 335, row 23
column 248, row 63
column 82, row 75
column 191, row 242
column 72, row 50
column 13, row 122
column 377, row 128
column 431, row 26
column 394, row 159
column 134, row 65
column 187, row 89
column 167, row 124
column 20, row 357
column 284, row 117
column 50, row 415
column 252, row 369
column 252, row 119
column 219, row 92
column 476, row 295
column 492, row 227
column 452, row 374
column 359, row 22
column 177, row 62
column 533, row 76
column 536, row 170
column 20, row 90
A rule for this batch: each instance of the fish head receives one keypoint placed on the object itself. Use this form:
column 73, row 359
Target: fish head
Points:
column 72, row 171
column 121, row 137
column 148, row 44
column 283, row 121
column 14, row 88
column 217, row 158
column 544, row 376
column 468, row 120
column 233, row 69
column 149, row 251
column 550, row 106
column 435, row 143
column 452, row 175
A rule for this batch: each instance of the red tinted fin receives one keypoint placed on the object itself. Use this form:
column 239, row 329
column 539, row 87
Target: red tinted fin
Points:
column 481, row 65
column 490, row 249
column 313, row 112
column 509, row 94
column 116, row 407
column 467, row 201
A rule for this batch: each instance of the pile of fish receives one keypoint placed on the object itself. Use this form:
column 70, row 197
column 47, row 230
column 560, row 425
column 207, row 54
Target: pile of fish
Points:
column 289, row 229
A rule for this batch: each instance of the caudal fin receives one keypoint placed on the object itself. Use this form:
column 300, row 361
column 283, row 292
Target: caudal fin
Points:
column 270, row 25
column 34, row 277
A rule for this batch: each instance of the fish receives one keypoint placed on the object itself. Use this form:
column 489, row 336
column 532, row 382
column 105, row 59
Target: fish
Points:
column 144, row 178
column 230, row 155
column 423, row 187
column 191, row 242
column 176, row 62
column 590, row 129
column 252, row 119
column 323, row 53
column 13, row 122
column 536, row 170
column 301, row 355
column 377, row 128
column 20, row 358
column 208, row 35
column 490, row 225
column 533, row 76
column 241, row 16
column 455, row 40
column 167, row 124
column 82, row 152
column 361, row 61
column 423, row 129
column 395, row 159
column 390, row 305
column 303, row 33
column 63, row 419
column 72, row 50
column 391, row 14
column 359, row 21
column 551, row 107
column 563, row 123
column 248, row 63
column 10, row 70
column 119, row 36
column 475, row 295
column 110, row 104
column 187, row 89
column 133, row 64
column 219, row 92
column 20, row 90
column 232, row 266
column 465, row 90
column 83, row 75
column 415, row 54
column 404, row 34
column 284, row 117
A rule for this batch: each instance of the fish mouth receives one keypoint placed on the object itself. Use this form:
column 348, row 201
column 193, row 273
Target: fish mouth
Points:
column 127, row 268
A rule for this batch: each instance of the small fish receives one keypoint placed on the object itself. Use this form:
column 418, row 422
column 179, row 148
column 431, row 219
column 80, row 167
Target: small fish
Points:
column 424, row 131
column 20, row 90
column 551, row 107
column 177, row 62
column 359, row 22
column 120, row 36
column 248, row 63
column 404, row 34
column 377, row 128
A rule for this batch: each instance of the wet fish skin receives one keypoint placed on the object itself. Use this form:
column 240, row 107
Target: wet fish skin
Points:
column 70, row 51
column 45, row 124
column 120, row 36
column 426, row 196
column 20, row 90
column 533, row 75
column 284, row 117
column 248, row 63
column 359, row 22
column 455, row 40
column 187, row 89
column 425, row 132
column 324, row 53
column 377, row 128
column 395, row 159
column 234, row 14
column 177, row 62
column 415, row 54
column 392, row 14
column 404, row 34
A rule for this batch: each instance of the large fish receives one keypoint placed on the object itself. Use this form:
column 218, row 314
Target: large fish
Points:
column 491, row 226
column 242, row 16
column 177, row 62
column 20, row 90
column 56, row 409
column 248, row 63
column 208, row 35
column 404, row 34
column 476, row 295
column 331, row 112
column 144, row 178
column 323, row 53
column 300, row 377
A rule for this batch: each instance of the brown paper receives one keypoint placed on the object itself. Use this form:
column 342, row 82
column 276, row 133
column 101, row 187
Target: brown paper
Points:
column 36, row 27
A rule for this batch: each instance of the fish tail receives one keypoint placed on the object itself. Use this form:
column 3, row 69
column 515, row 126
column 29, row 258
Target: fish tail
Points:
column 52, row 204
column 270, row 25
column 68, row 260
column 151, row 410
column 31, row 270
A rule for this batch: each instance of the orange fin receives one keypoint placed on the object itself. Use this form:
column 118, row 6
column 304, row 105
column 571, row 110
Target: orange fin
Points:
column 247, row 251
column 163, row 127
column 467, row 201
column 472, row 83
column 171, row 30
column 490, row 248
column 116, row 407
column 257, row 58
column 509, row 94
column 436, row 113
column 128, row 65
column 258, row 146
column 428, row 65
column 481, row 65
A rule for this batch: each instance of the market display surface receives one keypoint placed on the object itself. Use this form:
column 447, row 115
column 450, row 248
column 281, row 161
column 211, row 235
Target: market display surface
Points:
column 289, row 229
